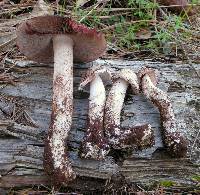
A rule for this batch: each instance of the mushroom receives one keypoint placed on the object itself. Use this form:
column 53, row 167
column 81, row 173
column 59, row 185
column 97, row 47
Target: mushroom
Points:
column 60, row 40
column 119, row 137
column 174, row 141
column 95, row 145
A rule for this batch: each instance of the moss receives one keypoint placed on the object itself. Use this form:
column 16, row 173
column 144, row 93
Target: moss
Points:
column 196, row 178
column 167, row 183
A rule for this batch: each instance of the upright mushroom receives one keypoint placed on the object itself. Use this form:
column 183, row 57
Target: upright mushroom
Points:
column 138, row 136
column 95, row 145
column 174, row 141
column 60, row 40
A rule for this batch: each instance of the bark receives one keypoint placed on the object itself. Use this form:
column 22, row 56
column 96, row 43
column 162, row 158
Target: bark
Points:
column 21, row 151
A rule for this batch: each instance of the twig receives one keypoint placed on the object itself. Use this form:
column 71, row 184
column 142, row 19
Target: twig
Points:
column 15, row 9
column 110, row 16
column 83, row 18
column 155, row 11
column 129, row 9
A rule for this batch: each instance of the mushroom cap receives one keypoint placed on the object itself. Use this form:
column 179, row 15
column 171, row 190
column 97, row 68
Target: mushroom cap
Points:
column 34, row 39
column 102, row 71
column 130, row 77
column 150, row 72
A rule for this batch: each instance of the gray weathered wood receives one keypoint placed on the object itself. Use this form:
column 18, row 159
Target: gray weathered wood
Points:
column 22, row 146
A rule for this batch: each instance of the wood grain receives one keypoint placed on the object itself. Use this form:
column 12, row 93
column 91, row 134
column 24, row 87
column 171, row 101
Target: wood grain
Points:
column 21, row 142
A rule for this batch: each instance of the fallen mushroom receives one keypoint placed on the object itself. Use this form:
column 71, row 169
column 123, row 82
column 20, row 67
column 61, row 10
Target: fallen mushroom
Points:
column 60, row 40
column 174, row 141
column 138, row 136
column 95, row 145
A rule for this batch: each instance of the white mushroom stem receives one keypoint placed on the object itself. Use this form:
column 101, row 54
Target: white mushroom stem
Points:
column 173, row 139
column 56, row 161
column 97, row 100
column 124, row 137
column 94, row 144
column 114, row 104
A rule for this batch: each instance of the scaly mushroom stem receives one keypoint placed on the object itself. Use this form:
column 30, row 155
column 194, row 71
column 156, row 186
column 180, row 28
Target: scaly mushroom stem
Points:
column 56, row 162
column 173, row 139
column 139, row 136
column 94, row 144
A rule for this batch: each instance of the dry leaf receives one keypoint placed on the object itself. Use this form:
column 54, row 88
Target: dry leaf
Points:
column 80, row 3
column 42, row 8
column 143, row 34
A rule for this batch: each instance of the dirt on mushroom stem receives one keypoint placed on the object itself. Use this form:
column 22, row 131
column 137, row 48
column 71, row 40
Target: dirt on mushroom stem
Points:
column 137, row 137
column 95, row 145
column 174, row 140
column 55, row 149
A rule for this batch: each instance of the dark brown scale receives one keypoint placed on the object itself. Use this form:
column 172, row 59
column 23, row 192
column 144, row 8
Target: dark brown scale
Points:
column 54, row 172
column 178, row 150
column 132, row 139
column 136, row 136
column 48, row 161
column 95, row 137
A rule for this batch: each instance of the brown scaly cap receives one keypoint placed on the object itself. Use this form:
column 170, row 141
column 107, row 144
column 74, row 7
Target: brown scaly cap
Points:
column 151, row 73
column 34, row 39
column 129, row 76
column 104, row 72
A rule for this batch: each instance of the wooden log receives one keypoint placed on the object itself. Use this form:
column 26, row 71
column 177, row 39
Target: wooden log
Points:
column 21, row 137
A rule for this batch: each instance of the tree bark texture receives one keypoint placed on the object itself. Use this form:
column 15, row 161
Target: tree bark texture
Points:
column 25, row 110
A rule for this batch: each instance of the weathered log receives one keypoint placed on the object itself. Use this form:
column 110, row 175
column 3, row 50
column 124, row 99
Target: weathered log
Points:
column 21, row 151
